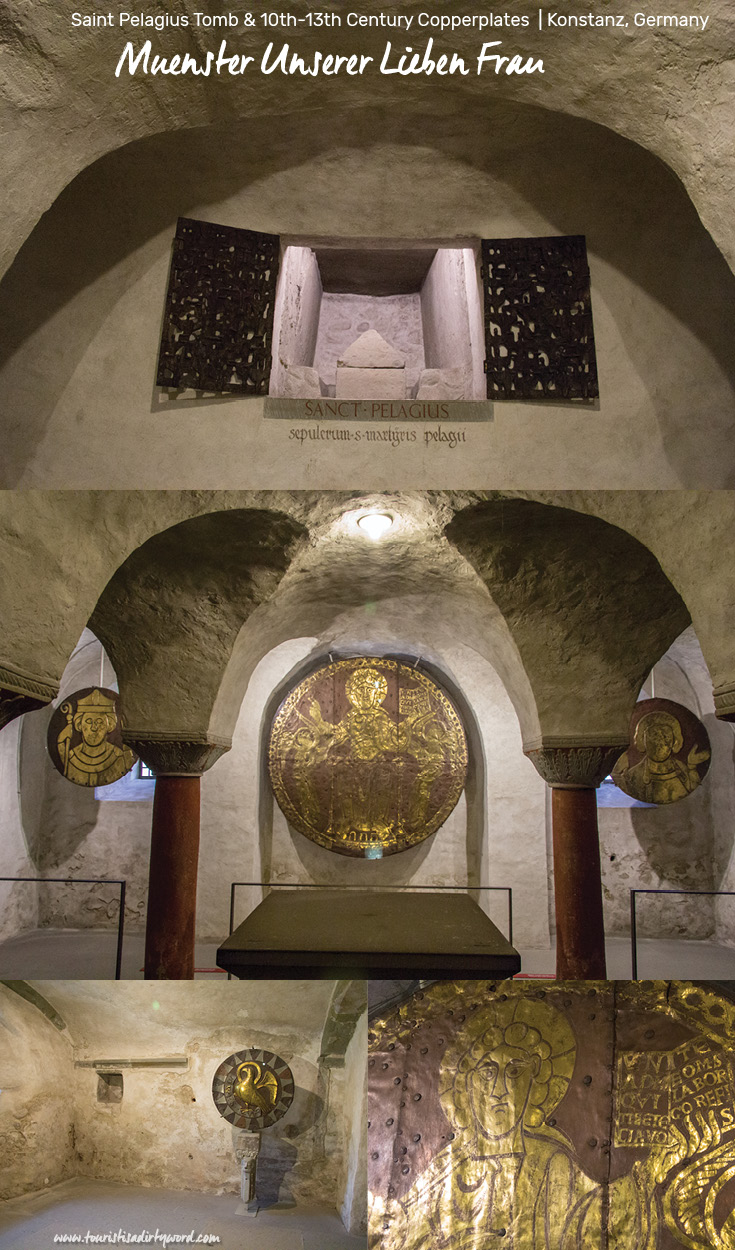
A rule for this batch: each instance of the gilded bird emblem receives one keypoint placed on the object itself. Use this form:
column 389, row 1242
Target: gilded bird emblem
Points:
column 257, row 1089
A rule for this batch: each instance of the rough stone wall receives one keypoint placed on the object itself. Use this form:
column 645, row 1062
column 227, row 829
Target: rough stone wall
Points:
column 37, row 1138
column 18, row 901
column 352, row 1192
column 296, row 319
column 445, row 316
column 59, row 549
column 658, row 848
column 648, row 84
column 167, row 1133
column 343, row 318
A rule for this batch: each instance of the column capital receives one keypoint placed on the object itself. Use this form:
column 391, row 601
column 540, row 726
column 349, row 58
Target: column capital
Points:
column 176, row 755
column 247, row 1147
column 21, row 692
column 575, row 766
column 725, row 701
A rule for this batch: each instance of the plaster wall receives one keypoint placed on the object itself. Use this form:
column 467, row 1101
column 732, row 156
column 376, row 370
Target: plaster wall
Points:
column 69, row 831
column 18, row 901
column 506, row 847
column 343, row 318
column 93, row 278
column 296, row 316
column 650, row 88
column 352, row 1192
column 681, row 846
column 445, row 316
column 60, row 548
column 36, row 1114
column 167, row 1133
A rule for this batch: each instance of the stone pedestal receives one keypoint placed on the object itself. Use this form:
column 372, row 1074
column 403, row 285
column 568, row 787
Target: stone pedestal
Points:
column 574, row 773
column 172, row 882
column 247, row 1149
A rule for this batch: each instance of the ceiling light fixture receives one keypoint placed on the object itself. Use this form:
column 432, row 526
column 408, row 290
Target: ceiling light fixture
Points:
column 375, row 524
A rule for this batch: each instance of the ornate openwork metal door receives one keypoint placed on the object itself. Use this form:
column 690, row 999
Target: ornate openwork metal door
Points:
column 539, row 341
column 218, row 322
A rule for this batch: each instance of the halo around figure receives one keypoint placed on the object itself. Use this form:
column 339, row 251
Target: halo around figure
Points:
column 527, row 1026
column 669, row 753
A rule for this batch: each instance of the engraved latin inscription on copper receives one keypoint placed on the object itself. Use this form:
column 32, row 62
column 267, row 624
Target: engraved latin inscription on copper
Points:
column 584, row 1116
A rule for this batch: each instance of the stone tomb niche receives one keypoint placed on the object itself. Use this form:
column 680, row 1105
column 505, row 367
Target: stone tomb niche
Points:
column 378, row 323
column 402, row 321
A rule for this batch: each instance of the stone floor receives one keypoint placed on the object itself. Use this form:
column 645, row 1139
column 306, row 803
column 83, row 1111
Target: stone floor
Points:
column 48, row 954
column 667, row 959
column 81, row 1206
column 83, row 954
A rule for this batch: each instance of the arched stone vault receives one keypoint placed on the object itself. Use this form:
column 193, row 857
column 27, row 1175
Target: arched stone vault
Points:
column 169, row 616
column 62, row 107
column 588, row 608
column 58, row 550
column 691, row 533
column 570, row 609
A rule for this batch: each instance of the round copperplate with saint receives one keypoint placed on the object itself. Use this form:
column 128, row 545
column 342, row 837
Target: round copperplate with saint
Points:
column 252, row 1089
column 85, row 738
column 367, row 757
column 669, row 753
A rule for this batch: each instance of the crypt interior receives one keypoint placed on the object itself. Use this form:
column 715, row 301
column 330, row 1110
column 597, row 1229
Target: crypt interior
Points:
column 543, row 616
column 107, row 1115
column 378, row 192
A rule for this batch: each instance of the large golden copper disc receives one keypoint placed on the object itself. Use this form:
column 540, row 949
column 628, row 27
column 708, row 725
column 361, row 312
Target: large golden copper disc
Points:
column 668, row 756
column 367, row 757
column 252, row 1089
column 85, row 738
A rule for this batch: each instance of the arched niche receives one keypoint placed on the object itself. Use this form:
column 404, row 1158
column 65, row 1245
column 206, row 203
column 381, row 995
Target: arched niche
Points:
column 93, row 275
column 495, row 836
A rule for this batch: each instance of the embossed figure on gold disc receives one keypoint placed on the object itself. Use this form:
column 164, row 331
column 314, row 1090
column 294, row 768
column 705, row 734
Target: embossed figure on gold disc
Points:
column 253, row 1089
column 367, row 756
column 669, row 753
column 85, row 741
column 256, row 1088
column 510, row 1176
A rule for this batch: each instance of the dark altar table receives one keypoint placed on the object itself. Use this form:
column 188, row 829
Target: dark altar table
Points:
column 334, row 933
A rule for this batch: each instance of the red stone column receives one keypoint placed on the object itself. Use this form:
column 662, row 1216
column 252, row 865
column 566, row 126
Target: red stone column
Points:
column 174, row 864
column 172, row 880
column 573, row 773
column 580, row 931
